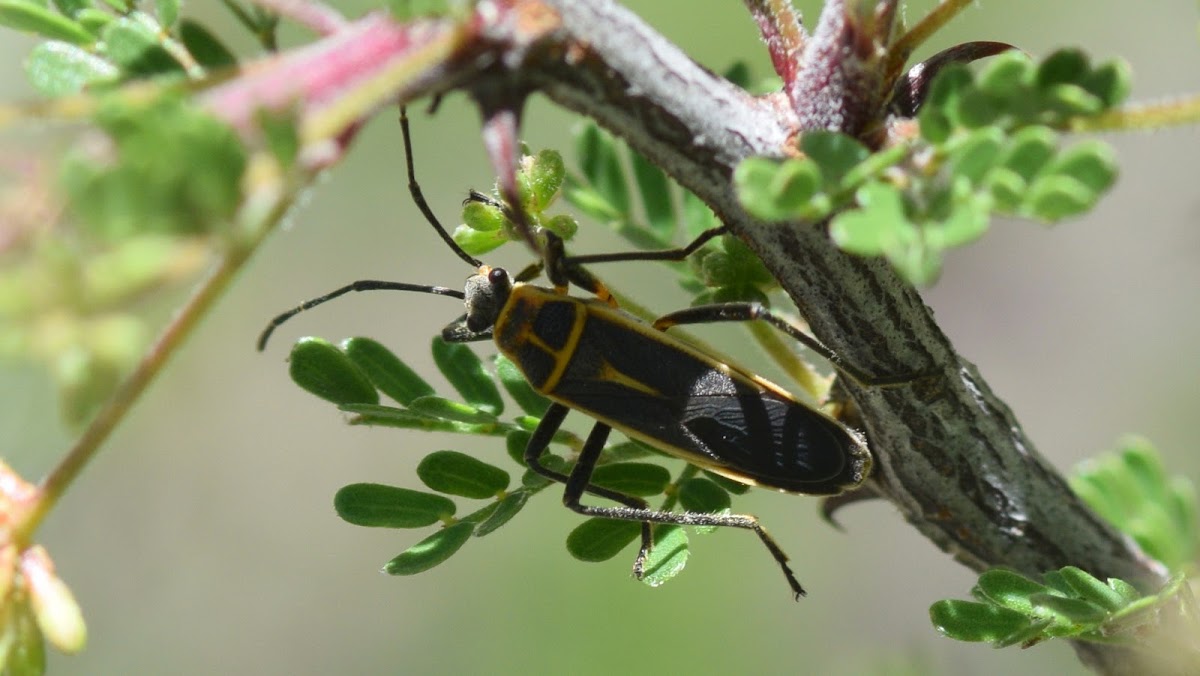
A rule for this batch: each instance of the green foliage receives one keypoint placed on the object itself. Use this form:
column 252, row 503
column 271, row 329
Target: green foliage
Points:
column 455, row 473
column 988, row 144
column 723, row 270
column 327, row 372
column 595, row 540
column 91, row 44
column 1131, row 489
column 1011, row 609
column 139, row 185
column 387, row 373
column 431, row 551
column 487, row 223
column 380, row 506
column 74, row 286
column 669, row 555
column 465, row 372
column 702, row 495
column 356, row 373
column 639, row 479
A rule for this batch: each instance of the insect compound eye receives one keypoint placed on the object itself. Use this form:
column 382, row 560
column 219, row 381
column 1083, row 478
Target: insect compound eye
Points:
column 498, row 276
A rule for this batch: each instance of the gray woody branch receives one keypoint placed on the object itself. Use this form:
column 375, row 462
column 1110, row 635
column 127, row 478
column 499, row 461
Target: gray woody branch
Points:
column 949, row 454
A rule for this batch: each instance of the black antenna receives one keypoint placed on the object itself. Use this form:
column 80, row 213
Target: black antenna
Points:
column 415, row 189
column 360, row 285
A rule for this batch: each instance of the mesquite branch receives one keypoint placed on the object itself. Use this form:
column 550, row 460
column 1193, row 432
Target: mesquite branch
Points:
column 949, row 454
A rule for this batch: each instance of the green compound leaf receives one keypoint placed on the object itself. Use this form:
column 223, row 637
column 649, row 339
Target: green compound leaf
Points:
column 459, row 474
column 779, row 191
column 1029, row 150
column 702, row 495
column 484, row 217
column 835, row 153
column 655, row 190
column 879, row 227
column 1008, row 589
column 60, row 68
column 601, row 165
column 205, row 48
column 440, row 407
column 563, row 225
column 626, row 451
column 598, row 539
column 1091, row 163
column 1110, row 83
column 1006, row 78
column 1068, row 611
column 697, row 217
column 431, row 551
column 34, row 17
column 390, row 416
column 518, row 388
column 515, row 443
column 135, row 47
column 143, row 187
column 26, row 645
column 479, row 242
column 167, row 12
column 1062, row 67
column 505, row 510
column 94, row 20
column 979, row 151
column 386, row 371
column 734, row 487
column 1071, row 604
column 971, row 621
column 632, row 478
column 668, row 557
column 463, row 368
column 1132, row 490
column 71, row 8
column 539, row 180
column 591, row 203
column 381, row 506
column 1053, row 198
column 325, row 371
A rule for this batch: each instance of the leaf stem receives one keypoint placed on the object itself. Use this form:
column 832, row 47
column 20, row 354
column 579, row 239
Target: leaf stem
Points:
column 1157, row 115
column 903, row 48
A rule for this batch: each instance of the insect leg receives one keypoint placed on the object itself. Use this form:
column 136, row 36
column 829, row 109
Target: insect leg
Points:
column 540, row 441
column 677, row 254
column 578, row 482
column 744, row 312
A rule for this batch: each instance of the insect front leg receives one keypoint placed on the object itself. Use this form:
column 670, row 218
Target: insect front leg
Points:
column 580, row 479
column 745, row 312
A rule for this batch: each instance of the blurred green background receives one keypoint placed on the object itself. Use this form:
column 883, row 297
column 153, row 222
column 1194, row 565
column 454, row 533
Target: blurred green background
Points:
column 203, row 539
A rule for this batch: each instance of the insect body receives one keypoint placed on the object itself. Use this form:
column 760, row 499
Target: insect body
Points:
column 587, row 355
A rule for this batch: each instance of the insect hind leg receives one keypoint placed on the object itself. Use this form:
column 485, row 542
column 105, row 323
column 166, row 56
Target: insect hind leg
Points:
column 578, row 483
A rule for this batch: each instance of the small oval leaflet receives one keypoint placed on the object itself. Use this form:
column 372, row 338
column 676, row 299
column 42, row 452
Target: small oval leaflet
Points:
column 323, row 370
column 598, row 539
column 381, row 506
column 431, row 551
column 387, row 371
column 460, row 474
